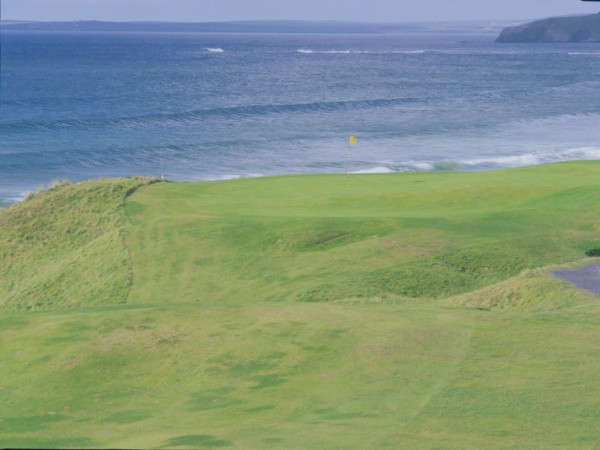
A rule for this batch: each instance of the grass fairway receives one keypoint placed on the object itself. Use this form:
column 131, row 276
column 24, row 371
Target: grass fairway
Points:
column 402, row 311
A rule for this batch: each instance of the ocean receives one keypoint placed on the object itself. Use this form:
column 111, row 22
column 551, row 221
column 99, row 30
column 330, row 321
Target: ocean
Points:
column 200, row 106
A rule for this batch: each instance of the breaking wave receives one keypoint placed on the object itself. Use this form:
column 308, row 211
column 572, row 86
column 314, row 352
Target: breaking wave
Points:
column 495, row 163
column 333, row 52
column 375, row 170
column 409, row 52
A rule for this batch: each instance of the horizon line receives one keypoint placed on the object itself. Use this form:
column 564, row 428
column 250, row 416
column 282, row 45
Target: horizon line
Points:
column 267, row 21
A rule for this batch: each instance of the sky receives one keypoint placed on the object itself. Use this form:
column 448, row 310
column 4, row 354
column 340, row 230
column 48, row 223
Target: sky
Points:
column 345, row 10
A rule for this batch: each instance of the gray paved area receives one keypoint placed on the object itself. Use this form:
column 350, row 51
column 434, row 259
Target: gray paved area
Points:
column 587, row 277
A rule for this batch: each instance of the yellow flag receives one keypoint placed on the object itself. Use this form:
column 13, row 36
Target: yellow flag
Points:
column 352, row 140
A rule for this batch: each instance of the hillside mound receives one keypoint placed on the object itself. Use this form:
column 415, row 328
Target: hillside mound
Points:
column 63, row 247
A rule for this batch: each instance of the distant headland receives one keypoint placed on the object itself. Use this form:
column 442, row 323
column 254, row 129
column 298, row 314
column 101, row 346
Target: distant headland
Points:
column 280, row 26
column 555, row 29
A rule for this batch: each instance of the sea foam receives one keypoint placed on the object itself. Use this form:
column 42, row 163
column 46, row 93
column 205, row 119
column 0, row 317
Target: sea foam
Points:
column 380, row 169
column 333, row 52
column 510, row 161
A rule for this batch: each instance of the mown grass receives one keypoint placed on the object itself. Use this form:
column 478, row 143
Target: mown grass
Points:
column 404, row 311
column 314, row 239
column 295, row 374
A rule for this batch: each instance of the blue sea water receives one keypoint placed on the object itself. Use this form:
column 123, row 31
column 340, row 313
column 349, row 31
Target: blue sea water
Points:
column 210, row 106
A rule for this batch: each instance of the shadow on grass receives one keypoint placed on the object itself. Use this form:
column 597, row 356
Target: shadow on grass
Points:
column 48, row 443
column 198, row 441
column 213, row 399
column 123, row 417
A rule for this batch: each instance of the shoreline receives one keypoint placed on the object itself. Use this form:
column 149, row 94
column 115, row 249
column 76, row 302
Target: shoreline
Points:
column 379, row 170
column 13, row 193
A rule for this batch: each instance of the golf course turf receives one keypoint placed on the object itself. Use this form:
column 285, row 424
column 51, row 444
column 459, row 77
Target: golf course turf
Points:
column 413, row 310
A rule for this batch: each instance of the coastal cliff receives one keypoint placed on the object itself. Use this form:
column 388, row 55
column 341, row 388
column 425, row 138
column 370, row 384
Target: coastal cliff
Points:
column 556, row 29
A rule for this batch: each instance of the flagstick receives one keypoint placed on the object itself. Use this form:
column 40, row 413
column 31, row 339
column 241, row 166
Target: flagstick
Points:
column 349, row 159
column 351, row 142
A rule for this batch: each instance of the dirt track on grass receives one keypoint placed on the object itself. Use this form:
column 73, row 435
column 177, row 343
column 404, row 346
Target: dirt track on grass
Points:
column 587, row 277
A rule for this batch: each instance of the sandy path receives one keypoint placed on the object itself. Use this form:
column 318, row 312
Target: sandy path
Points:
column 587, row 277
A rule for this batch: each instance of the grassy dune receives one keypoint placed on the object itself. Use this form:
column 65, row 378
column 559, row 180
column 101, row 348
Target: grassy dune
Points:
column 407, row 310
column 65, row 247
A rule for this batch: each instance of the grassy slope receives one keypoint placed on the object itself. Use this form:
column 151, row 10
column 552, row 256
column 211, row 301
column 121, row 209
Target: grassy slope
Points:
column 64, row 247
column 314, row 239
column 407, row 310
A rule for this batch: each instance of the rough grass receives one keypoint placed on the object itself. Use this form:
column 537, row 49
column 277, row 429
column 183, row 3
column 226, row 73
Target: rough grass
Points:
column 63, row 247
column 407, row 311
